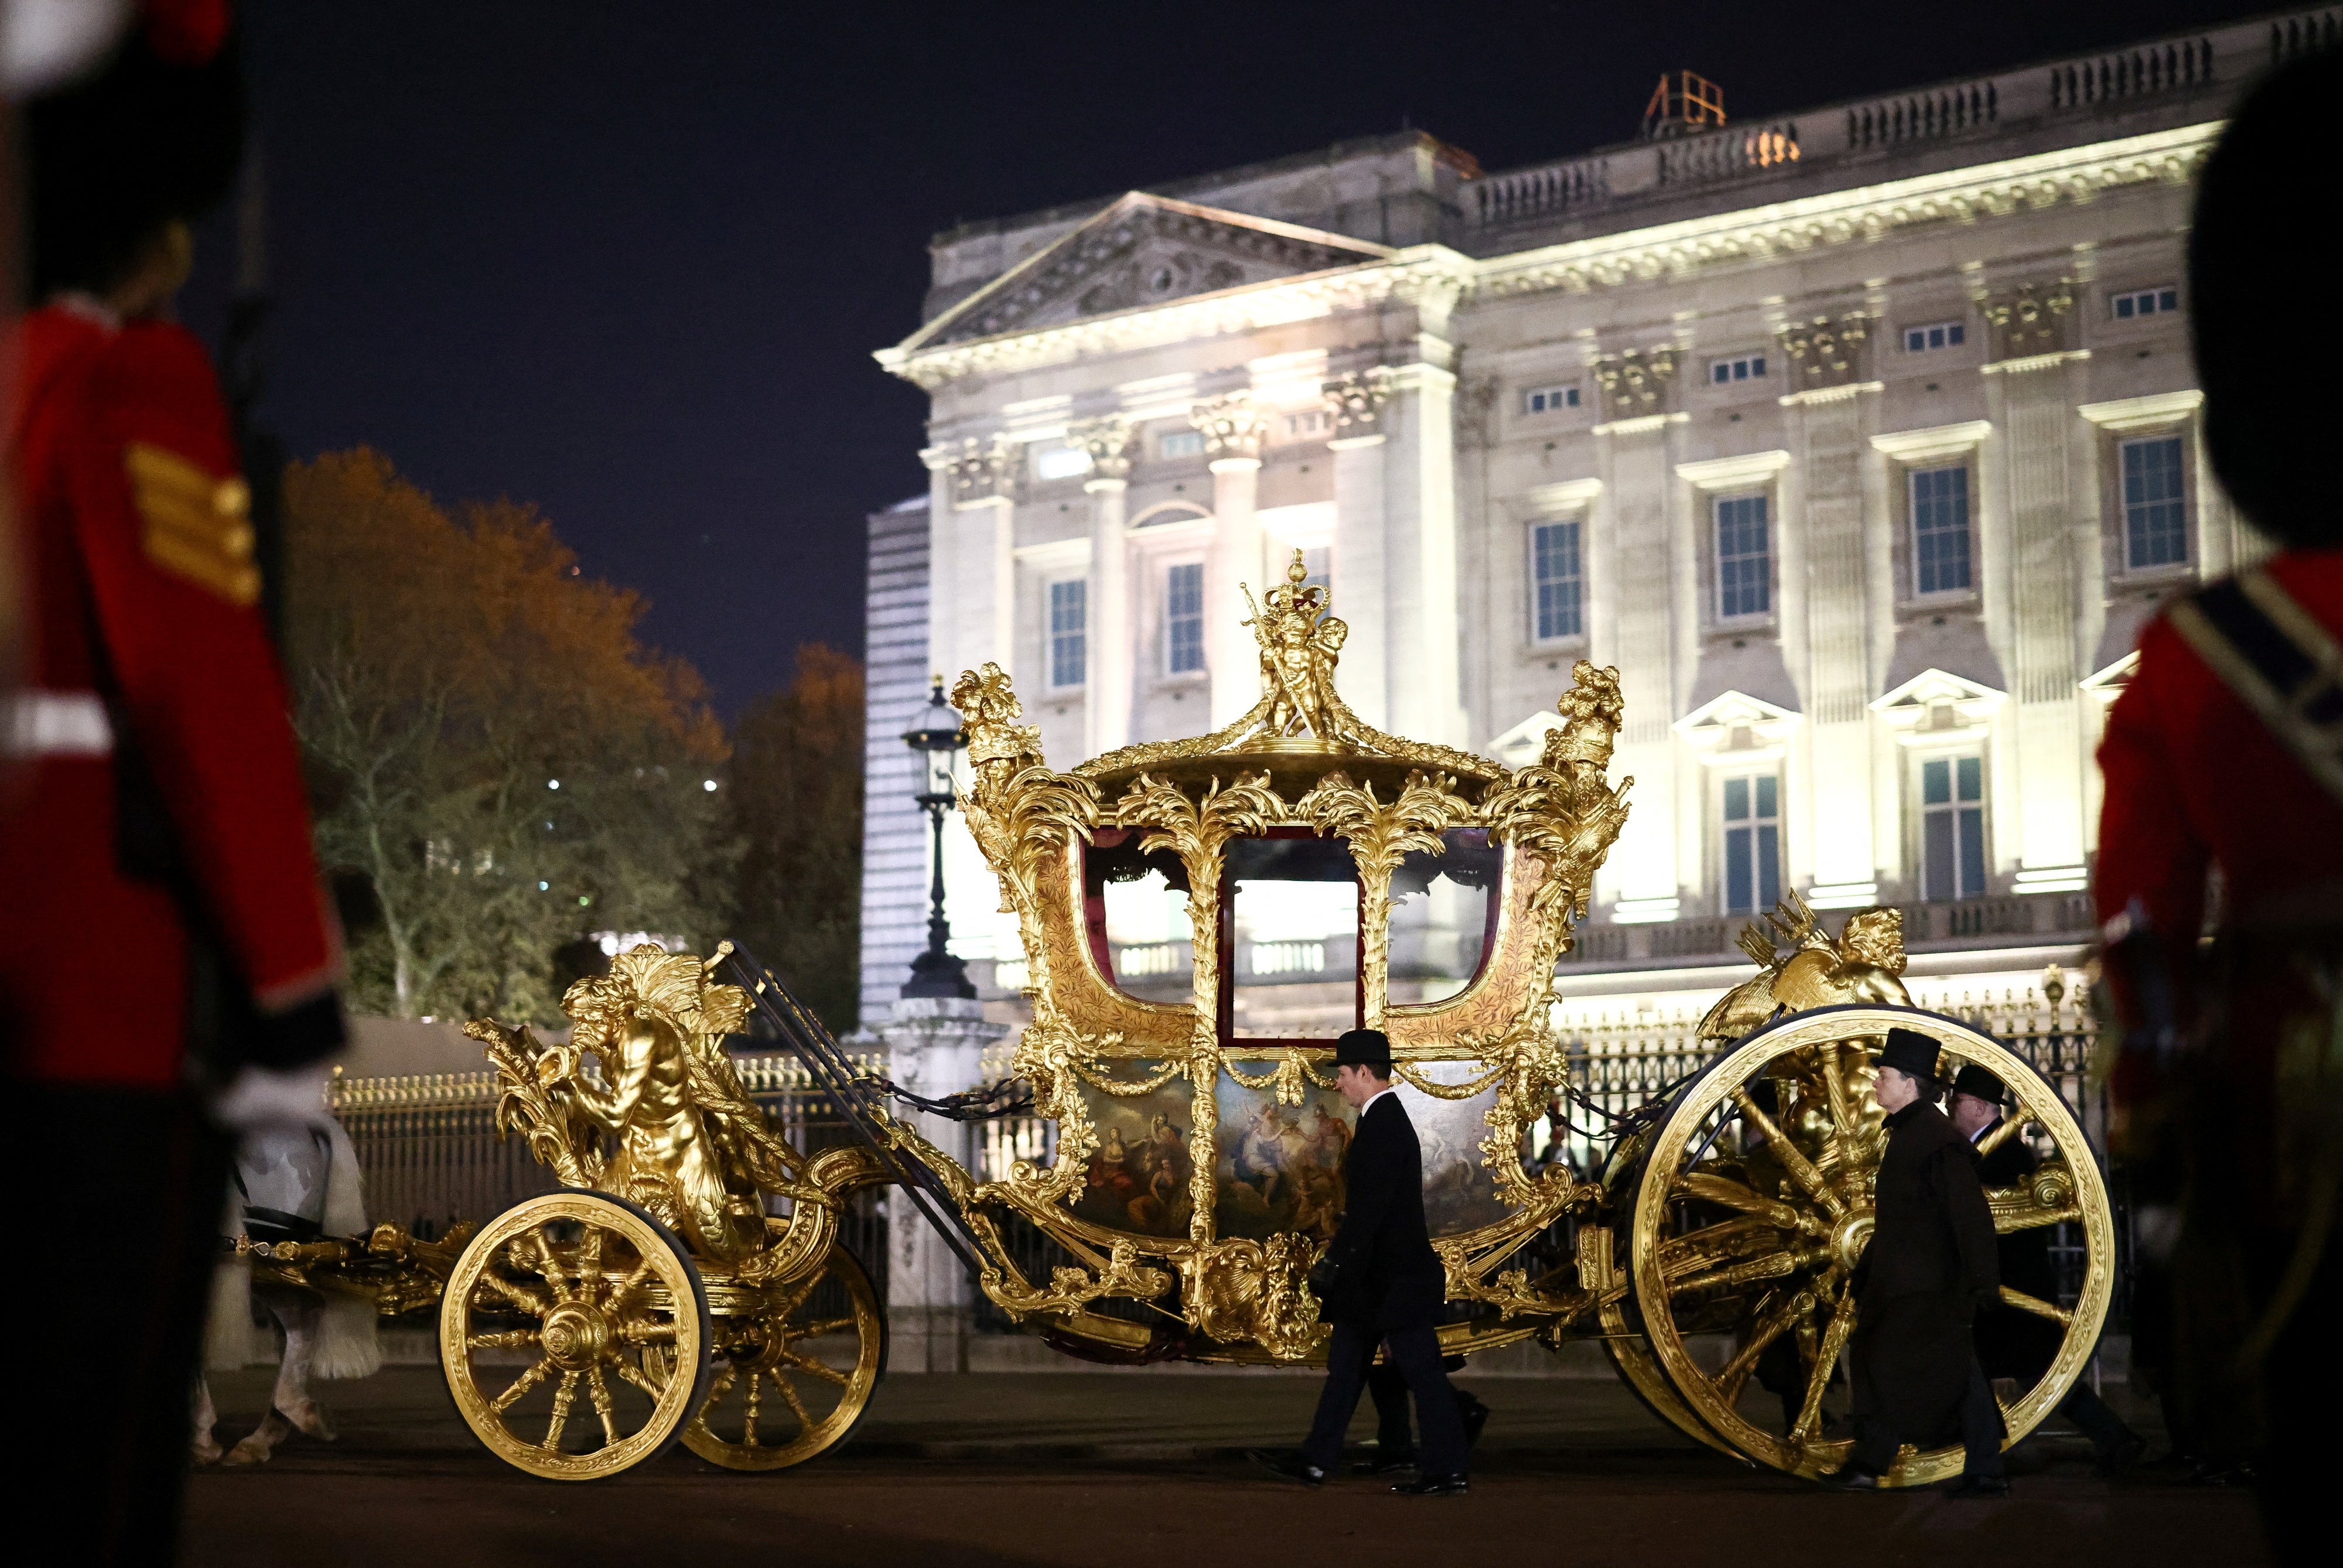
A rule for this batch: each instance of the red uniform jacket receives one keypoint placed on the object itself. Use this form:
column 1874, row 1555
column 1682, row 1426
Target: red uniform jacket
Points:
column 145, row 634
column 2194, row 778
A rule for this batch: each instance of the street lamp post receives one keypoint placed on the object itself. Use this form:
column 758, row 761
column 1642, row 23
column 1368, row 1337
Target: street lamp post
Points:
column 938, row 738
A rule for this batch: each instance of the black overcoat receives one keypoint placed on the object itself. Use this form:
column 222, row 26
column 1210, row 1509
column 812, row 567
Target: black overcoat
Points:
column 2013, row 1344
column 1931, row 1263
column 1386, row 1276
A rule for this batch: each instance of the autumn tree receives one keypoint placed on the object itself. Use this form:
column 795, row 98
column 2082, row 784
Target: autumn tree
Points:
column 494, row 754
column 794, row 810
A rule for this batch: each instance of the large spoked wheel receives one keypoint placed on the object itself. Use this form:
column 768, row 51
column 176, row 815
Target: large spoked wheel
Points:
column 1754, row 1204
column 575, row 1336
column 791, row 1380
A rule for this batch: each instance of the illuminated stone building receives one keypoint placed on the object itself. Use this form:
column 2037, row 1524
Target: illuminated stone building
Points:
column 1862, row 441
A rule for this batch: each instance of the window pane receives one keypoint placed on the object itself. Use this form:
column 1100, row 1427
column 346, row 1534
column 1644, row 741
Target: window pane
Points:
column 1972, row 779
column 1721, row 372
column 1972, row 852
column 1769, row 868
column 1940, row 530
column 1936, row 855
column 2155, row 513
column 1953, row 333
column 1765, row 783
column 2169, row 299
column 1936, row 782
column 2123, row 307
column 1184, row 617
column 1293, row 911
column 1914, row 341
column 1743, row 569
column 1736, row 800
column 1559, row 585
column 1737, row 889
column 1068, row 618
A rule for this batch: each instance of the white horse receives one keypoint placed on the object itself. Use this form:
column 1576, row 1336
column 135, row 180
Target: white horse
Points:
column 294, row 1184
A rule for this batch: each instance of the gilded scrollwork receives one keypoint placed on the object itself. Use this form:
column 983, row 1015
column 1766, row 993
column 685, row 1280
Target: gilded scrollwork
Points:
column 1240, row 1289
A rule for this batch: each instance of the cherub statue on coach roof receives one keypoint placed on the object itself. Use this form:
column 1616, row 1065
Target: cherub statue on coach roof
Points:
column 1300, row 645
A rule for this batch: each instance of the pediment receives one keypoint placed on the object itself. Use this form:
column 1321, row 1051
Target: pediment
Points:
column 1525, row 743
column 1141, row 252
column 1716, row 718
column 2108, row 682
column 1933, row 685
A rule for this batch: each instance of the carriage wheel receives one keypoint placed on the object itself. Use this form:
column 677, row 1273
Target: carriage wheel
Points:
column 1748, row 1223
column 575, row 1293
column 792, row 1382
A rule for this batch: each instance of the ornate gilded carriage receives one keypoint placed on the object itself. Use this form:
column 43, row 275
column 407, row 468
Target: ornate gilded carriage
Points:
column 1196, row 1169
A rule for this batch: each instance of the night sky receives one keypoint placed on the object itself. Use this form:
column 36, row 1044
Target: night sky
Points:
column 629, row 261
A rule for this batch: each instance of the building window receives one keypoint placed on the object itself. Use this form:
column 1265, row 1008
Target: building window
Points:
column 1184, row 617
column 1952, row 827
column 1753, row 844
column 2156, row 510
column 1061, row 462
column 1940, row 530
column 1549, row 399
column 1318, row 565
column 1935, row 335
column 1068, row 632
column 1745, row 574
column 1748, row 367
column 2144, row 301
column 1558, row 580
column 1179, row 444
column 1310, row 423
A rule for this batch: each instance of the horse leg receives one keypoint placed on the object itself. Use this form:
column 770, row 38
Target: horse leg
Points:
column 303, row 1317
column 205, row 1448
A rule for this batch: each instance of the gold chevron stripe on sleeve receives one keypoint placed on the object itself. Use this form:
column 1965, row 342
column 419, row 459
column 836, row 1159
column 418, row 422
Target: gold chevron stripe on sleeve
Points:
column 197, row 525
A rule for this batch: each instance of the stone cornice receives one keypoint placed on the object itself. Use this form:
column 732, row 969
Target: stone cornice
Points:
column 1841, row 217
column 1432, row 273
column 2127, row 414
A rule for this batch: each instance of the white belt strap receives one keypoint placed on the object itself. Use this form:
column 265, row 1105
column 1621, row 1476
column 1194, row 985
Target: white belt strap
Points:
column 55, row 724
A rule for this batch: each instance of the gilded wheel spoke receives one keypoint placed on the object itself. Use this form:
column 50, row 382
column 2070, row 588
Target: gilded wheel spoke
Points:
column 1779, row 1266
column 1712, row 1243
column 600, row 1391
column 1728, row 1193
column 1770, row 1327
column 1842, row 1110
column 563, row 1394
column 518, row 1294
column 643, row 1331
column 1810, row 1413
column 636, row 1375
column 519, row 1386
column 589, row 1263
column 550, row 1266
column 2005, row 1221
column 1794, row 1160
column 811, row 1367
column 789, row 1396
column 2010, row 1127
column 515, row 1339
column 822, row 1326
column 629, row 1285
column 2037, row 1305
column 748, row 1422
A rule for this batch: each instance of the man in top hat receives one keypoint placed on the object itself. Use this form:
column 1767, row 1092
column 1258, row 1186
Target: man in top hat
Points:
column 2011, row 1342
column 1930, row 1265
column 1382, row 1285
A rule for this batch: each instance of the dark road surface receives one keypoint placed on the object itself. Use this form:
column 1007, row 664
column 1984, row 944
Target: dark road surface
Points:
column 1088, row 1468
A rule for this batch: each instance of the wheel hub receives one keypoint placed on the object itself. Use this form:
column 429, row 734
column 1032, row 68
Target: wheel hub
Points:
column 576, row 1336
column 1849, row 1237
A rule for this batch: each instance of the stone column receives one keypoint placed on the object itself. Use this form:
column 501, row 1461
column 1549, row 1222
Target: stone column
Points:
column 2028, row 395
column 1637, row 479
column 943, row 539
column 984, row 559
column 1109, row 632
column 1354, row 405
column 935, row 1046
column 1234, row 431
column 1826, row 418
column 1420, row 557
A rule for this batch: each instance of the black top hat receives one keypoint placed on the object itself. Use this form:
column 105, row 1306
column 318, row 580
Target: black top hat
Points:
column 1364, row 1047
column 1973, row 1079
column 1911, row 1054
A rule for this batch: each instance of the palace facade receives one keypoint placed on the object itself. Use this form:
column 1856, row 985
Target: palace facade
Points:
column 1863, row 441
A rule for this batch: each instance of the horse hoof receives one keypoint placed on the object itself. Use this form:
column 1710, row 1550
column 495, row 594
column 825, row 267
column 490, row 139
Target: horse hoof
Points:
column 206, row 1451
column 310, row 1420
column 247, row 1453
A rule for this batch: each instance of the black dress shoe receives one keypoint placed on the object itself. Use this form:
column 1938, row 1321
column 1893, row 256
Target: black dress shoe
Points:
column 1287, row 1466
column 1434, row 1486
column 1385, row 1464
column 1851, row 1478
column 1979, row 1486
column 1475, row 1415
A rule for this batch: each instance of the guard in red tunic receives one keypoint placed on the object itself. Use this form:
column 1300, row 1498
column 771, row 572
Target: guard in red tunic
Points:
column 167, row 967
column 2226, row 751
